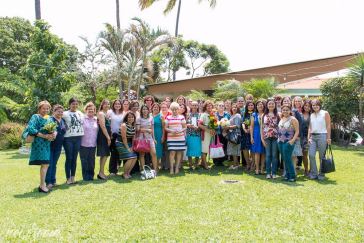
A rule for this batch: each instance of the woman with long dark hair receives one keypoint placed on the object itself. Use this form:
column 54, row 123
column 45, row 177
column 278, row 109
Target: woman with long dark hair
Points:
column 245, row 135
column 116, row 118
column 257, row 148
column 306, row 113
column 103, row 137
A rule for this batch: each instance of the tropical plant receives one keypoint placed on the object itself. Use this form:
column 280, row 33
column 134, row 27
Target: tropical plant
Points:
column 117, row 43
column 228, row 89
column 198, row 95
column 148, row 39
column 260, row 87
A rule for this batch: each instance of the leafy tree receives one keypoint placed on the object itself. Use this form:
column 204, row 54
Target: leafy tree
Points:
column 51, row 66
column 228, row 89
column 262, row 88
column 198, row 95
column 340, row 99
column 15, row 43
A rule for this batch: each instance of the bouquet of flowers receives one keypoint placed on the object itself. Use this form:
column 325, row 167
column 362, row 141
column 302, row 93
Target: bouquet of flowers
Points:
column 213, row 123
column 224, row 122
column 50, row 127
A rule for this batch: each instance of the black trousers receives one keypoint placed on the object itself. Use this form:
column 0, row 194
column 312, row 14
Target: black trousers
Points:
column 114, row 158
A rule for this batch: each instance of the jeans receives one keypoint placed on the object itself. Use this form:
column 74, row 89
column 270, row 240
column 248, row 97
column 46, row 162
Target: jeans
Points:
column 52, row 169
column 271, row 151
column 87, row 155
column 286, row 150
column 319, row 143
column 71, row 147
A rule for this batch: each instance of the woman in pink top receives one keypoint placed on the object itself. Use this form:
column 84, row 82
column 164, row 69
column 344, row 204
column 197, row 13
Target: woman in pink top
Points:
column 88, row 142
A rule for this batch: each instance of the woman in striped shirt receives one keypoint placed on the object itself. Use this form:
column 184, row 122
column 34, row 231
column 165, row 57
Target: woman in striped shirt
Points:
column 175, row 126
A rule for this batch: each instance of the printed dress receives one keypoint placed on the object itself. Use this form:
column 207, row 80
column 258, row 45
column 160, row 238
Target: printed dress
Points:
column 245, row 137
column 232, row 148
column 41, row 150
column 103, row 149
column 175, row 141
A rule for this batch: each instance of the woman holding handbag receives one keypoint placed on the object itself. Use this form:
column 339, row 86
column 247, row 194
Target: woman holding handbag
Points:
column 145, row 131
column 175, row 126
column 124, row 143
column 234, row 135
column 319, row 138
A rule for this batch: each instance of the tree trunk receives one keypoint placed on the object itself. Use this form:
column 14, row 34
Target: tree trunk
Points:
column 117, row 15
column 141, row 75
column 176, row 30
column 37, row 10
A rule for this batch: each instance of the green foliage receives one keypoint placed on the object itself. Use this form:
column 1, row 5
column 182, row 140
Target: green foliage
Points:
column 15, row 43
column 262, row 88
column 3, row 116
column 340, row 98
column 170, row 4
column 10, row 135
column 357, row 70
column 198, row 95
column 228, row 89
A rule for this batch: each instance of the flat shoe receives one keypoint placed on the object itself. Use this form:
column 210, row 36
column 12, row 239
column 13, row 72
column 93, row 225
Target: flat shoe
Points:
column 42, row 191
column 100, row 178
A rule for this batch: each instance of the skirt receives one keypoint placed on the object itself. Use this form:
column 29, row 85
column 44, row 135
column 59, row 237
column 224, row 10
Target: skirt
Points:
column 124, row 153
column 176, row 145
column 103, row 148
column 206, row 142
column 194, row 146
column 233, row 149
column 39, row 162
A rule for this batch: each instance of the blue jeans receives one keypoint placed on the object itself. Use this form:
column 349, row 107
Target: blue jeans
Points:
column 71, row 147
column 52, row 169
column 319, row 143
column 87, row 155
column 286, row 150
column 271, row 154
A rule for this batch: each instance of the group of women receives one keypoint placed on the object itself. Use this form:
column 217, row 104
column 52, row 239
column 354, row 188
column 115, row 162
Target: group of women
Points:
column 261, row 136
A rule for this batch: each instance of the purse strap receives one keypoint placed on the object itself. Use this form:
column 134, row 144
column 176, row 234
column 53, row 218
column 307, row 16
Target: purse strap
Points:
column 328, row 148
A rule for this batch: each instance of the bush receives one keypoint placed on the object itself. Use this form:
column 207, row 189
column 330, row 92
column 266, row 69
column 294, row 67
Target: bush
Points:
column 3, row 116
column 10, row 135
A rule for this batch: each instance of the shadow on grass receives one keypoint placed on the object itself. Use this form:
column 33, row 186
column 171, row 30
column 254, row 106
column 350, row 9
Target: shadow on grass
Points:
column 33, row 194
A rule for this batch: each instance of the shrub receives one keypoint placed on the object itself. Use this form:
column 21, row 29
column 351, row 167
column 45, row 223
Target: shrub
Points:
column 10, row 135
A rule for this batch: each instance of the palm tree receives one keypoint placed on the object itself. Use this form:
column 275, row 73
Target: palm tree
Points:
column 117, row 15
column 117, row 43
column 170, row 5
column 357, row 74
column 148, row 39
column 37, row 10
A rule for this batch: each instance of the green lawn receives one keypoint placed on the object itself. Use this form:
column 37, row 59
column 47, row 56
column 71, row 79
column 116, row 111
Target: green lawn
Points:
column 192, row 207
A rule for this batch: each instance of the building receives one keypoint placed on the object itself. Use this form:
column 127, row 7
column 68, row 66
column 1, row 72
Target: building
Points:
column 282, row 73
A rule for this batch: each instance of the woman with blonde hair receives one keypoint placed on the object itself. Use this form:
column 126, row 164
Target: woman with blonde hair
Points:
column 40, row 150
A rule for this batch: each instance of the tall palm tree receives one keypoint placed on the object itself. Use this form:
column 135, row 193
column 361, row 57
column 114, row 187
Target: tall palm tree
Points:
column 117, row 43
column 357, row 74
column 170, row 5
column 148, row 39
column 117, row 15
column 37, row 10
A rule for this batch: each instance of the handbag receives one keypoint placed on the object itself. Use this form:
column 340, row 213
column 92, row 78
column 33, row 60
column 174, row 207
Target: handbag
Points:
column 216, row 149
column 147, row 173
column 141, row 145
column 234, row 137
column 327, row 163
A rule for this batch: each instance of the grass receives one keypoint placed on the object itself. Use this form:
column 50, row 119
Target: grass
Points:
column 194, row 206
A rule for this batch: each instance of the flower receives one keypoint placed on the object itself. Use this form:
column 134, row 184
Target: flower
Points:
column 224, row 122
column 213, row 123
column 50, row 127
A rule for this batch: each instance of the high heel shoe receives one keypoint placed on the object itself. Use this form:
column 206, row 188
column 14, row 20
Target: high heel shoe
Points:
column 100, row 177
column 42, row 191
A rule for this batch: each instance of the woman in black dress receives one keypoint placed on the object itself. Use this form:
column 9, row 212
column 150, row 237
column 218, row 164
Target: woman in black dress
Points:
column 103, row 137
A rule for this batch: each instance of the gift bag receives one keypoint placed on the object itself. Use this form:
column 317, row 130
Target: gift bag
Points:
column 141, row 145
column 216, row 148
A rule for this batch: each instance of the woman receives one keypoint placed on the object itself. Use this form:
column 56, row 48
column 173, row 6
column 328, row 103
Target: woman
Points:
column 306, row 113
column 164, row 113
column 175, row 126
column 116, row 117
column 255, row 137
column 145, row 130
column 269, row 137
column 88, row 142
column 149, row 101
column 249, row 97
column 181, row 100
column 297, row 104
column 103, row 137
column 222, row 113
column 124, row 143
column 125, row 108
column 134, row 107
column 168, row 101
column 56, row 145
column 183, row 110
column 233, row 149
column 158, row 122
column 288, row 130
column 207, row 132
column 319, row 136
column 40, row 151
column 245, row 135
column 193, row 136
column 72, row 138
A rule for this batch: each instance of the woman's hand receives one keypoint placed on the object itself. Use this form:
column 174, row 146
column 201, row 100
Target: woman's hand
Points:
column 264, row 143
column 328, row 141
column 291, row 142
column 252, row 140
column 310, row 140
column 212, row 132
column 108, row 141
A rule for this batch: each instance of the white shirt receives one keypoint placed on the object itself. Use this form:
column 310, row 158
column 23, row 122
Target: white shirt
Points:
column 116, row 120
column 318, row 122
column 74, row 122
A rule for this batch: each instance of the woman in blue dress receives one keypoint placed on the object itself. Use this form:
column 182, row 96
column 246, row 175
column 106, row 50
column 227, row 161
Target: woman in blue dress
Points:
column 40, row 151
column 158, row 132
column 255, row 138
column 194, row 146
